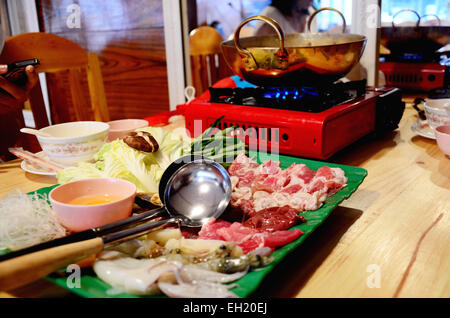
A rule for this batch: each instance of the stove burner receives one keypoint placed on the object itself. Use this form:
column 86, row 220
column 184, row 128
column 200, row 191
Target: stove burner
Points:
column 416, row 57
column 306, row 99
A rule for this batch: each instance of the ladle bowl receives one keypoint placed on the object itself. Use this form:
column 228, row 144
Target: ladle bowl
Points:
column 195, row 189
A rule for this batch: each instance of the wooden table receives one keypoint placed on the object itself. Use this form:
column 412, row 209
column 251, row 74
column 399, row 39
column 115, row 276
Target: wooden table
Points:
column 390, row 239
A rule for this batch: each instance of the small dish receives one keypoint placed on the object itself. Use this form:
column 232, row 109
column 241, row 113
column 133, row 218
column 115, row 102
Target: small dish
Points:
column 421, row 128
column 31, row 168
column 80, row 216
column 119, row 128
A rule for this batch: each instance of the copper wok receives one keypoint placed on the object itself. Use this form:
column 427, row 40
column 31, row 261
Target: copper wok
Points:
column 414, row 39
column 292, row 59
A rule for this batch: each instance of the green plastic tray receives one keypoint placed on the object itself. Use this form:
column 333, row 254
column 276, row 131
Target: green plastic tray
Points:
column 93, row 287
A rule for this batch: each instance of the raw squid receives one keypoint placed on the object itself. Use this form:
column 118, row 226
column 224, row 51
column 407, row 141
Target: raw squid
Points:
column 194, row 272
column 196, row 290
column 146, row 276
column 130, row 275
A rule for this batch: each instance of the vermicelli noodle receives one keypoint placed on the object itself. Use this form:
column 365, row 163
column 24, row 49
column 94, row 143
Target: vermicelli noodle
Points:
column 26, row 220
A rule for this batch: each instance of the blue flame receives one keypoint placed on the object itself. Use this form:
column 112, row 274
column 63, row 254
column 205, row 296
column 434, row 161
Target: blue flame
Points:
column 287, row 93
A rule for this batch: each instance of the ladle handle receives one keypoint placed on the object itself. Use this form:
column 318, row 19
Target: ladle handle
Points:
column 133, row 232
column 282, row 54
column 140, row 217
column 25, row 269
column 344, row 25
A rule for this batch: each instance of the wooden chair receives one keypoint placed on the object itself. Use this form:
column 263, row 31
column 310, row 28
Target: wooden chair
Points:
column 207, row 63
column 58, row 54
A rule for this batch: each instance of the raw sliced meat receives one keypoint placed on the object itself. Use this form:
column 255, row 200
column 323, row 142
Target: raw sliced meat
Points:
column 266, row 186
column 247, row 238
column 291, row 189
column 300, row 174
column 269, row 167
column 280, row 238
column 247, row 207
column 274, row 219
column 329, row 180
column 244, row 168
column 209, row 230
column 236, row 232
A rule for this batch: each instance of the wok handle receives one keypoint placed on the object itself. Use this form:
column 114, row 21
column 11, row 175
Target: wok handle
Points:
column 403, row 10
column 344, row 26
column 431, row 15
column 281, row 54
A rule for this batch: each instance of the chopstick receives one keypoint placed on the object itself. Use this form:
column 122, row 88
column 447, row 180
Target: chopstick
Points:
column 36, row 160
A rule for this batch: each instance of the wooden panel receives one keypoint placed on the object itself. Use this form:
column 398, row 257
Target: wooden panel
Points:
column 128, row 37
column 97, row 89
column 80, row 104
column 36, row 102
column 60, row 97
column 101, row 15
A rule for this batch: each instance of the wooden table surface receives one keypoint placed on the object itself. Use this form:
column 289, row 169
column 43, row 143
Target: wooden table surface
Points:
column 390, row 239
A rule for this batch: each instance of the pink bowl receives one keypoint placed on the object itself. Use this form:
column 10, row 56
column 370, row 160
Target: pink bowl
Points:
column 443, row 138
column 82, row 217
column 119, row 128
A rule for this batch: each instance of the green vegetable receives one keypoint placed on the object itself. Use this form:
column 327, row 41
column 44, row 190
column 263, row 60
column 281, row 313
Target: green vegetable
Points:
column 218, row 144
column 171, row 146
column 117, row 160
column 84, row 170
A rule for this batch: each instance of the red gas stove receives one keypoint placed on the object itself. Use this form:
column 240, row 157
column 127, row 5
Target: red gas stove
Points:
column 416, row 71
column 299, row 121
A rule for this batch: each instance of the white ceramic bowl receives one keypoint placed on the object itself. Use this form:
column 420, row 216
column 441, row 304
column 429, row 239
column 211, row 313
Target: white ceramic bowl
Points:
column 437, row 112
column 119, row 128
column 74, row 141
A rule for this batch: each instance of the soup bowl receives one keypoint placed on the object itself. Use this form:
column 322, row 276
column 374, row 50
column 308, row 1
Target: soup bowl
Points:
column 73, row 142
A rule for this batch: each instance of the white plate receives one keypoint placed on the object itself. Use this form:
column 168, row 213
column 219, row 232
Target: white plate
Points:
column 421, row 128
column 28, row 167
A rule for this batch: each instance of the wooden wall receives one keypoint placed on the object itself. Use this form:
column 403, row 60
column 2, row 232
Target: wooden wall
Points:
column 128, row 36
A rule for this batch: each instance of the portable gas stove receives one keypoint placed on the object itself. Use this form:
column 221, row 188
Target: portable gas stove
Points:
column 416, row 71
column 299, row 121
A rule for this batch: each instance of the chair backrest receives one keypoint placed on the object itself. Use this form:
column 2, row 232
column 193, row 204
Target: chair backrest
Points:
column 207, row 63
column 58, row 54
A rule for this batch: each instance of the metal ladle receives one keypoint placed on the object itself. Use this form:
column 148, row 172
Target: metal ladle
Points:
column 193, row 190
